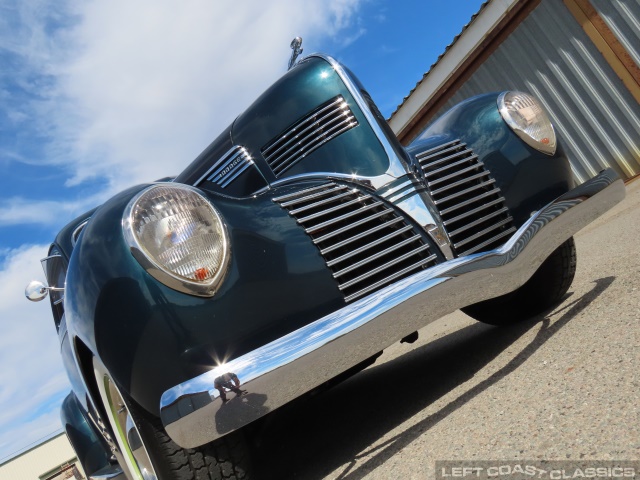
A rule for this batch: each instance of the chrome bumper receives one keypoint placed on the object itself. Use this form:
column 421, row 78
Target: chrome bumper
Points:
column 110, row 472
column 194, row 413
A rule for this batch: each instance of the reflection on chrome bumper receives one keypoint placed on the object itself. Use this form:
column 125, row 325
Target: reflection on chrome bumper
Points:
column 110, row 472
column 213, row 404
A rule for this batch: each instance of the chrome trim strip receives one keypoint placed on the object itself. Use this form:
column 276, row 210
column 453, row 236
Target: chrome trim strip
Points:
column 440, row 148
column 295, row 194
column 446, row 159
column 43, row 264
column 236, row 160
column 308, row 134
column 228, row 159
column 404, row 185
column 390, row 263
column 375, row 256
column 417, row 206
column 320, row 202
column 464, row 192
column 476, row 165
column 406, row 189
column 288, row 367
column 355, row 224
column 360, row 235
column 370, row 245
column 320, row 226
column 391, row 277
column 370, row 183
column 236, row 174
column 413, row 189
column 460, row 182
column 471, row 200
column 478, row 221
column 488, row 241
column 329, row 210
column 313, row 145
column 77, row 231
column 451, row 165
column 474, row 211
column 483, row 232
column 330, row 188
column 283, row 137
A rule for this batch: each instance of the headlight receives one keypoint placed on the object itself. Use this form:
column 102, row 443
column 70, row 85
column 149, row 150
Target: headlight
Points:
column 178, row 237
column 528, row 119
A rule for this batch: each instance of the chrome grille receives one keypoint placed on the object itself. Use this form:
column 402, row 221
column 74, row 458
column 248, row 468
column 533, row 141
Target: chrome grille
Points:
column 364, row 242
column 471, row 205
column 308, row 134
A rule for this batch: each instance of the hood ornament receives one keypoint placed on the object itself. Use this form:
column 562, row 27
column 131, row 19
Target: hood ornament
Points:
column 296, row 46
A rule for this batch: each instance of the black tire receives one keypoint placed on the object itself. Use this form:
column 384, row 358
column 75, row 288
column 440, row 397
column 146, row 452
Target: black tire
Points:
column 543, row 291
column 145, row 451
column 227, row 458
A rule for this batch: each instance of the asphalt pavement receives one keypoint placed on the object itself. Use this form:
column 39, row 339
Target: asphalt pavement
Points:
column 560, row 386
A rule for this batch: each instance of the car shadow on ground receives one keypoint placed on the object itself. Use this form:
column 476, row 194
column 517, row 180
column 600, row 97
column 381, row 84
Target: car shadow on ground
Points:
column 312, row 438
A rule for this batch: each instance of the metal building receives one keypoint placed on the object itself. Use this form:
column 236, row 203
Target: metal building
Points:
column 579, row 57
column 53, row 459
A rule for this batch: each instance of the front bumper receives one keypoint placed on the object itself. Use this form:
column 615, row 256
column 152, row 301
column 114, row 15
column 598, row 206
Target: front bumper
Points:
column 194, row 413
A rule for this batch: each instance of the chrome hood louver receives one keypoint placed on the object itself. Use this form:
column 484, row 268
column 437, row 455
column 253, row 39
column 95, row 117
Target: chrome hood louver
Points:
column 228, row 168
column 471, row 206
column 308, row 134
column 364, row 242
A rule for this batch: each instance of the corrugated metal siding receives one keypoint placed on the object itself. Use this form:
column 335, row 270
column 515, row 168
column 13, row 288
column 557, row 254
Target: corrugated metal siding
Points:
column 623, row 18
column 549, row 55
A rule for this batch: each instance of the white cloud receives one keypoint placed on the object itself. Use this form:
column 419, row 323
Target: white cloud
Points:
column 21, row 211
column 128, row 92
column 140, row 88
column 36, row 430
column 31, row 371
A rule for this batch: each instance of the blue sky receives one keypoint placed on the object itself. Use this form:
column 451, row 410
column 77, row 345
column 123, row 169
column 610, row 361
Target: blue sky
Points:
column 97, row 96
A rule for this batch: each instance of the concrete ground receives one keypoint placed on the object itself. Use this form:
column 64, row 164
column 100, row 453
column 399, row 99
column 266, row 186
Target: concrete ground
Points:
column 560, row 386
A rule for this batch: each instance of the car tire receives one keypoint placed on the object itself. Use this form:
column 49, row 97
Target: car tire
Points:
column 226, row 458
column 543, row 291
column 148, row 453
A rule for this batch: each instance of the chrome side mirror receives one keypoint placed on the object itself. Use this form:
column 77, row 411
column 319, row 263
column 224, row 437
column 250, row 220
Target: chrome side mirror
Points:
column 37, row 291
column 296, row 46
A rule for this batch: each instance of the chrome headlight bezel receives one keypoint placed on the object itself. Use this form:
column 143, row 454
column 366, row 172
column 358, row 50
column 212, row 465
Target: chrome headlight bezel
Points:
column 546, row 144
column 204, row 288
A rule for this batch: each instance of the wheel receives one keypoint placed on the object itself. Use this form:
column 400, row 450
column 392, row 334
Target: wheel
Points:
column 148, row 453
column 544, row 290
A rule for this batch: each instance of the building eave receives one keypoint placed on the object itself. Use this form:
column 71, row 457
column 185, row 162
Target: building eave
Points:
column 468, row 45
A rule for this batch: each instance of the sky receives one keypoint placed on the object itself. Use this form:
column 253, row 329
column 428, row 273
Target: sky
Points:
column 97, row 96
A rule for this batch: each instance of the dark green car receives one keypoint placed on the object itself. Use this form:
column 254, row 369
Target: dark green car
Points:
column 302, row 242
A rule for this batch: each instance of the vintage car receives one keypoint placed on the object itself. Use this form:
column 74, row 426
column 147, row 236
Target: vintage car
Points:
column 302, row 242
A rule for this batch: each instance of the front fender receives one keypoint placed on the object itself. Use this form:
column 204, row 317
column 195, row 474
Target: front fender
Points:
column 528, row 178
column 151, row 337
column 91, row 449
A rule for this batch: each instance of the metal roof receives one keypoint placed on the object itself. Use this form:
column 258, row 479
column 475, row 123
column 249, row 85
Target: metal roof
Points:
column 448, row 47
